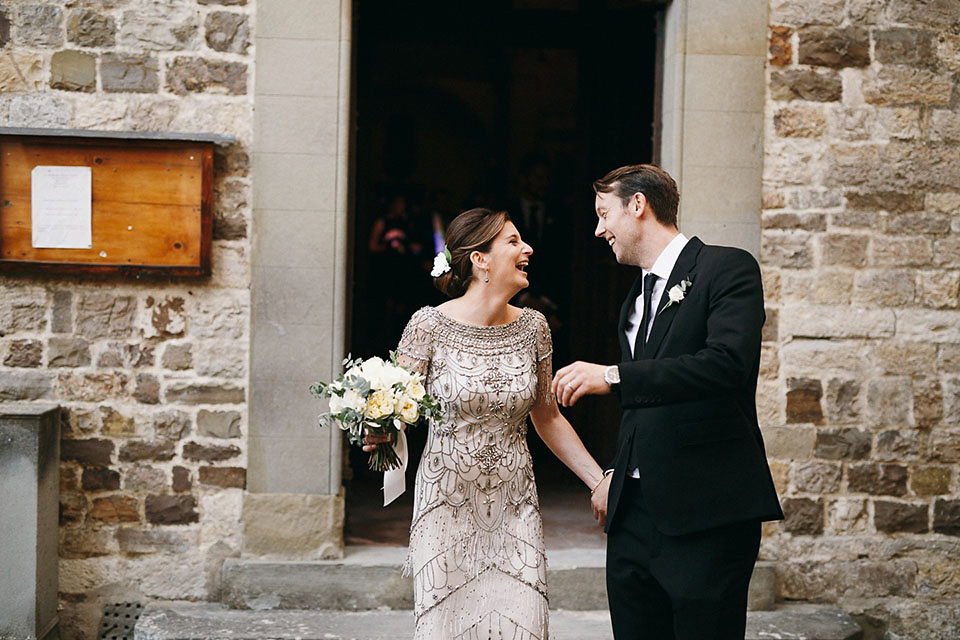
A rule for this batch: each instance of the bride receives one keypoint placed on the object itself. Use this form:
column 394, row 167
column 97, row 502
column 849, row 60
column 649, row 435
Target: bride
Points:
column 476, row 540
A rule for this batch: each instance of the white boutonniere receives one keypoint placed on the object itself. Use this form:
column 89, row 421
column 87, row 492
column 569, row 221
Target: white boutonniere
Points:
column 677, row 293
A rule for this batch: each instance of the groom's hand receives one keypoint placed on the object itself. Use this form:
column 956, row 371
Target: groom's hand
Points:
column 577, row 380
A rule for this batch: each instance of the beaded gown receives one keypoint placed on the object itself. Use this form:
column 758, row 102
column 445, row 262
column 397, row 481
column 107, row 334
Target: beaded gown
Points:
column 476, row 540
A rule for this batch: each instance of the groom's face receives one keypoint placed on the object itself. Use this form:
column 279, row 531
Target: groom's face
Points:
column 617, row 225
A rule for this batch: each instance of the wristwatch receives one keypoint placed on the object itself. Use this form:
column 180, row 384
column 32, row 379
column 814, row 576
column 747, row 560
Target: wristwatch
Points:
column 611, row 375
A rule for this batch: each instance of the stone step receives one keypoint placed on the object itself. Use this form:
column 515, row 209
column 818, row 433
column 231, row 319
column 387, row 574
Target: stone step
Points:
column 204, row 621
column 370, row 577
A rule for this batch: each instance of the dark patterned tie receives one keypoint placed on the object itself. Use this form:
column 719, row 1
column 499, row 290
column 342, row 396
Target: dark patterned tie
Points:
column 648, row 281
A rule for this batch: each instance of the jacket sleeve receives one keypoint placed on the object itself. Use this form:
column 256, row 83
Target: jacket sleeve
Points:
column 714, row 345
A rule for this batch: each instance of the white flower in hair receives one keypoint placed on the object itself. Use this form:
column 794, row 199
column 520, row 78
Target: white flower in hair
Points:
column 441, row 264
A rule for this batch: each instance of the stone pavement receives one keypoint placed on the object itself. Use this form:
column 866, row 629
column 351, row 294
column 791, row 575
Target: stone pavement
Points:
column 204, row 621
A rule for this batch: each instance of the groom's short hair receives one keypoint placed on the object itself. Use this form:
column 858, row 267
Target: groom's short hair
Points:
column 653, row 182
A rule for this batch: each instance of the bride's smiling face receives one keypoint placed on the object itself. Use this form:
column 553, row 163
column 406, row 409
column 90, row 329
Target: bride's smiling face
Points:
column 507, row 259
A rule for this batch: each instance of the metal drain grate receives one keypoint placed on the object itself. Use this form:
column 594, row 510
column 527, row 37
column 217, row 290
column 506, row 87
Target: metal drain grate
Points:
column 119, row 620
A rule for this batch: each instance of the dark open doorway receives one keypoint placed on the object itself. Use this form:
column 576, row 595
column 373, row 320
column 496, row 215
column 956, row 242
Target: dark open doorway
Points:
column 495, row 104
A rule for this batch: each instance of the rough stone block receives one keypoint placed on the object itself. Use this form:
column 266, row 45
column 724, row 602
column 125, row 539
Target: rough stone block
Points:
column 940, row 290
column 197, row 75
column 902, row 251
column 144, row 478
column 847, row 515
column 904, row 358
column 790, row 220
column 219, row 424
column 227, row 477
column 180, row 509
column 72, row 508
column 172, row 425
column 900, row 517
column 40, row 110
column 843, row 444
column 167, row 317
column 73, row 71
column 789, row 443
column 904, row 85
column 148, row 389
column 806, row 84
column 84, row 542
column 853, row 123
column 834, row 47
column 160, row 27
column 209, row 453
column 181, row 479
column 800, row 122
column 129, row 73
column 945, row 445
column 90, row 452
column 877, row 479
column 930, row 481
column 227, row 31
column 844, row 249
column 905, row 46
column 104, row 315
column 91, row 29
column 951, row 401
column 122, row 355
column 100, row 480
column 802, row 516
column 62, row 311
column 141, row 450
column 116, row 423
column 91, row 387
column 24, row 354
column 803, row 400
column 203, row 393
column 897, row 445
column 889, row 401
column 948, row 358
column 177, row 357
column 837, row 321
column 780, row 49
column 891, row 201
column 115, row 509
column 793, row 250
column 817, row 477
column 220, row 360
column 25, row 385
column 802, row 12
column 68, row 352
column 842, row 400
column 885, row 288
column 39, row 25
column 4, row 28
column 832, row 579
column 947, row 252
column 946, row 517
column 20, row 71
column 154, row 540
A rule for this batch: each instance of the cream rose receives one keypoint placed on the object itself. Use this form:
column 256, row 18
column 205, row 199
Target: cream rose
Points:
column 379, row 405
column 416, row 390
column 409, row 410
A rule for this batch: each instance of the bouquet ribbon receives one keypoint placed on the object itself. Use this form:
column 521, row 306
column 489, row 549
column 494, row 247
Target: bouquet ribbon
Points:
column 394, row 480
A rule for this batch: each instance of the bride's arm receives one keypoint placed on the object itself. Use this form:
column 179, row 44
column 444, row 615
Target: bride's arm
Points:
column 557, row 433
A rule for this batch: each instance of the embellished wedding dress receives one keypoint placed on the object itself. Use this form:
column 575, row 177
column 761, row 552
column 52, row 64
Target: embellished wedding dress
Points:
column 476, row 540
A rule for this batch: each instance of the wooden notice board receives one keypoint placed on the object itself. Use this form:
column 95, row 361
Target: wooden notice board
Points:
column 151, row 209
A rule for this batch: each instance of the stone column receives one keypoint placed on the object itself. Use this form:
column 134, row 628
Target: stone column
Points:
column 29, row 504
column 294, row 505
column 712, row 113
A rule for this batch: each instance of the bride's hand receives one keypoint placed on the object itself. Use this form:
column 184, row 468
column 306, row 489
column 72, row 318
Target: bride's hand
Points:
column 598, row 501
column 371, row 441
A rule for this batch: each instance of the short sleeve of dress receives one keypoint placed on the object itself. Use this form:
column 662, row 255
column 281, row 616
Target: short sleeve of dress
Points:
column 416, row 344
column 544, row 351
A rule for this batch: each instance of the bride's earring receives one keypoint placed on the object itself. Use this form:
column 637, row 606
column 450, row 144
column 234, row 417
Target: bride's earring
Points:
column 486, row 275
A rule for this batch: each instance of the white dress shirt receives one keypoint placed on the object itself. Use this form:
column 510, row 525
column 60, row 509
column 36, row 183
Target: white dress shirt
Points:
column 662, row 268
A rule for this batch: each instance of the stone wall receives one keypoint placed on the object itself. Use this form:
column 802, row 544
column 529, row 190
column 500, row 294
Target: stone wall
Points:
column 152, row 372
column 860, row 388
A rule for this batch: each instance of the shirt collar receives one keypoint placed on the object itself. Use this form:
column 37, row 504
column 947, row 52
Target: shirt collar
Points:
column 665, row 262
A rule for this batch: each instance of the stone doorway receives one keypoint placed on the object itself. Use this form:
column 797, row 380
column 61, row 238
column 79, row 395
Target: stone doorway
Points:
column 463, row 107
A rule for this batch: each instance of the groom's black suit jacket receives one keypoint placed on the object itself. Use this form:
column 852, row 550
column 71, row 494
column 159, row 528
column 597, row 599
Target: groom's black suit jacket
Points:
column 690, row 419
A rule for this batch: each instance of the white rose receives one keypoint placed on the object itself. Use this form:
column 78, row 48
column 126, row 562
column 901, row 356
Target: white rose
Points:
column 353, row 400
column 408, row 410
column 335, row 403
column 416, row 390
column 676, row 294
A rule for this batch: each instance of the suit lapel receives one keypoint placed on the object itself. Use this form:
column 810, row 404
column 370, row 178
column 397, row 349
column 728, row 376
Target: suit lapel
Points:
column 683, row 269
column 625, row 309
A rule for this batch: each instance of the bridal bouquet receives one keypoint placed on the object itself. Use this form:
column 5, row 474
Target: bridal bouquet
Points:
column 375, row 397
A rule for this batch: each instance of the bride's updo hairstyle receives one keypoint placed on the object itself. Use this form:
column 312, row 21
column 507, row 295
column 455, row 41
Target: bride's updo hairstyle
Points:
column 472, row 230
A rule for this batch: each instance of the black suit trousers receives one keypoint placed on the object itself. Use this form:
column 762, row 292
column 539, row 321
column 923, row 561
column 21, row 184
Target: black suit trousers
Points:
column 687, row 587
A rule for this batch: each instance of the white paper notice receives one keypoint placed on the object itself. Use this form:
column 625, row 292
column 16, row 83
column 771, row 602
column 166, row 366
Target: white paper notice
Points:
column 60, row 200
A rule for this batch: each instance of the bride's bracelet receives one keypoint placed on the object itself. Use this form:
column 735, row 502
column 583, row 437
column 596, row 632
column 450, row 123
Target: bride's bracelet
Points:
column 605, row 474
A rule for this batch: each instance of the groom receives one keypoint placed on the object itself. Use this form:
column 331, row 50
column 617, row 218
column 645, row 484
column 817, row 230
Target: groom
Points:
column 690, row 483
